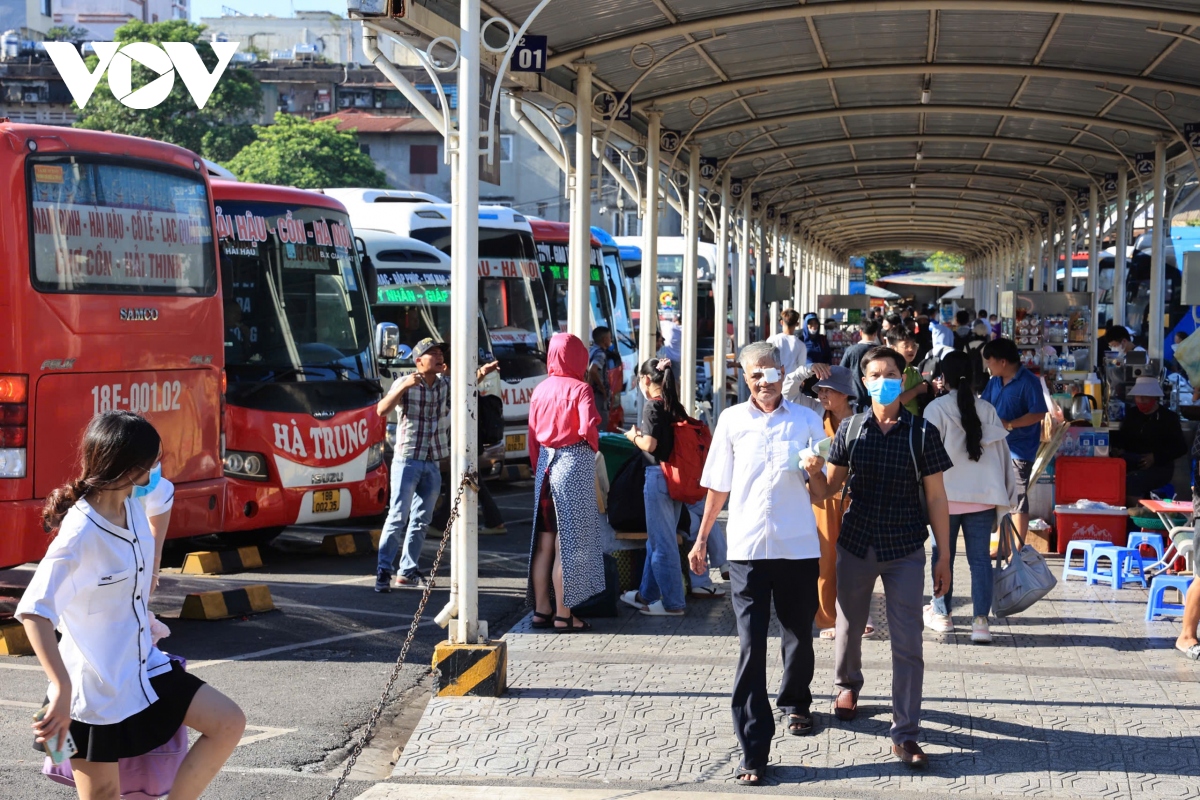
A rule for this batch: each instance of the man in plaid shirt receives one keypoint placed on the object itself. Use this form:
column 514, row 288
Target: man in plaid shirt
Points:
column 890, row 456
column 422, row 401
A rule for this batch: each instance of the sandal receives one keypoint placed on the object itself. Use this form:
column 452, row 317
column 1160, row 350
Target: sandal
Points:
column 1192, row 653
column 541, row 620
column 828, row 633
column 845, row 712
column 869, row 630
column 571, row 627
column 743, row 777
column 801, row 724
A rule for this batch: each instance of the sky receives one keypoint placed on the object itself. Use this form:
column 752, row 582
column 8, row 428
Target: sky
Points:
column 277, row 8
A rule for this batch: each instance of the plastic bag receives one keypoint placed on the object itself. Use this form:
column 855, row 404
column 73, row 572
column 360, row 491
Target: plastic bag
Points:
column 1187, row 353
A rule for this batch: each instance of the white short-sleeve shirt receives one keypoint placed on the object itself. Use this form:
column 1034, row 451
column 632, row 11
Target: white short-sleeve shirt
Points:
column 161, row 500
column 94, row 586
column 754, row 457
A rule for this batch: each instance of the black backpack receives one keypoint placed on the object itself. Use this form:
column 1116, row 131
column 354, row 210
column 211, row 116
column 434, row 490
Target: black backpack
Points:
column 916, row 447
column 491, row 419
column 626, row 503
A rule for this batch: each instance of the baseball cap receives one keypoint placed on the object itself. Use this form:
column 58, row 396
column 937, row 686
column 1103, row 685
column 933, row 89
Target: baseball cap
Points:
column 424, row 346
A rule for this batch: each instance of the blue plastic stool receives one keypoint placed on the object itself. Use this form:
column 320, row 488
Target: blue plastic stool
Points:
column 1122, row 559
column 1085, row 546
column 1155, row 605
column 1154, row 540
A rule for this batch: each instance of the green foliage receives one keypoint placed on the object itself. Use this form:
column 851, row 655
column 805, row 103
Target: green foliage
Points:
column 940, row 261
column 310, row 155
column 223, row 124
column 66, row 33
column 882, row 263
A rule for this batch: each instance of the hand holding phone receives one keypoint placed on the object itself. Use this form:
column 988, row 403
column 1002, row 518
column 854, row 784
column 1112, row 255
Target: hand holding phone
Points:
column 53, row 729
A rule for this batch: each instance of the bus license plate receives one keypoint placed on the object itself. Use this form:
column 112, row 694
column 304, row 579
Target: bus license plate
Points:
column 326, row 500
column 514, row 443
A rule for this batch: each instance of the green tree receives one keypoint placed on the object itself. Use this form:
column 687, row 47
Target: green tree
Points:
column 311, row 155
column 941, row 261
column 66, row 33
column 882, row 263
column 217, row 131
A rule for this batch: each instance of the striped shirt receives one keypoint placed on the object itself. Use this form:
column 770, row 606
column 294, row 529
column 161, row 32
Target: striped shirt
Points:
column 420, row 436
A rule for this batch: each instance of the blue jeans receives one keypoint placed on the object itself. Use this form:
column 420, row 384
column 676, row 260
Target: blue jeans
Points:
column 717, row 546
column 662, row 577
column 977, row 533
column 415, row 488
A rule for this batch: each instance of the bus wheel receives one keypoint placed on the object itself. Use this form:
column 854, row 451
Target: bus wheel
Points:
column 257, row 538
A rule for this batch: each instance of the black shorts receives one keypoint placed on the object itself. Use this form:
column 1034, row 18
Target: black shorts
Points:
column 147, row 730
column 1024, row 470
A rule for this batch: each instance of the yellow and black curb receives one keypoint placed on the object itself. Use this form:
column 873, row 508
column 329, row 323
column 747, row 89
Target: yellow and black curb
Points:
column 471, row 670
column 221, row 562
column 351, row 544
column 13, row 641
column 231, row 603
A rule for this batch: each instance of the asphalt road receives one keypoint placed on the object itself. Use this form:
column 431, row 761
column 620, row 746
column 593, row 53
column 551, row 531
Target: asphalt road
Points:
column 308, row 674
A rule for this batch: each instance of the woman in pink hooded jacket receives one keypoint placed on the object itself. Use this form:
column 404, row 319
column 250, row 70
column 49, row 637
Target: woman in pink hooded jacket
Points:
column 564, row 434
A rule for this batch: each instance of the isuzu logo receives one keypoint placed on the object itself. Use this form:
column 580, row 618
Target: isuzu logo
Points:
column 139, row 314
column 328, row 477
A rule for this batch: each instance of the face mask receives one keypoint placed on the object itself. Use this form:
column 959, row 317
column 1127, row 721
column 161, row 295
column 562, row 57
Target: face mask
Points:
column 884, row 390
column 151, row 485
column 770, row 375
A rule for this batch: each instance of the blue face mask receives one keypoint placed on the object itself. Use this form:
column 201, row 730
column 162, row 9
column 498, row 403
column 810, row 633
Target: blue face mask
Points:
column 884, row 390
column 151, row 485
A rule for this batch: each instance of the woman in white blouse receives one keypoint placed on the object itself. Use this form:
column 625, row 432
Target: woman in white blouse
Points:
column 980, row 482
column 117, row 694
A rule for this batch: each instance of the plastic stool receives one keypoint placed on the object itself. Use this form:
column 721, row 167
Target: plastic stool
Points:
column 1154, row 540
column 1155, row 605
column 1122, row 559
column 1085, row 546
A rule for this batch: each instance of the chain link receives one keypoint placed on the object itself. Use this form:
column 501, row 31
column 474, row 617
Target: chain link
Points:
column 469, row 479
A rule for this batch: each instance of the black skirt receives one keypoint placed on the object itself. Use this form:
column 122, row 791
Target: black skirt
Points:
column 147, row 730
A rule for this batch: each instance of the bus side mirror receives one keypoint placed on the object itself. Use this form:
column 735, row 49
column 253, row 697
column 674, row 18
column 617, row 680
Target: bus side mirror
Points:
column 387, row 341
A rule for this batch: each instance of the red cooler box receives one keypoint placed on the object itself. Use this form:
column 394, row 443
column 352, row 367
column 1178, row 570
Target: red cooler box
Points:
column 1099, row 479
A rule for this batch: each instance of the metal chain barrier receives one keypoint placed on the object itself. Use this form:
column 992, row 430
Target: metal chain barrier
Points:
column 469, row 479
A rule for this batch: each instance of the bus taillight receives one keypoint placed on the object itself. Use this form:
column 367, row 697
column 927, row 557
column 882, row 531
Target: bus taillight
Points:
column 14, row 425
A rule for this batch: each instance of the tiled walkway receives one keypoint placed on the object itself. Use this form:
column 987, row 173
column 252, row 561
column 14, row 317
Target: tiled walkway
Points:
column 1078, row 697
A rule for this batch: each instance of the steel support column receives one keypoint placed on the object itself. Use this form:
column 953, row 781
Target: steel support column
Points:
column 1094, row 233
column 649, row 278
column 1158, row 264
column 721, row 303
column 1122, row 248
column 760, row 255
column 743, row 293
column 578, row 281
column 688, row 317
column 776, row 268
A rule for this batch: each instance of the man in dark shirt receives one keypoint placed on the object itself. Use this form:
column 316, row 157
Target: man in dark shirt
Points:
column 868, row 335
column 887, row 456
column 1150, row 439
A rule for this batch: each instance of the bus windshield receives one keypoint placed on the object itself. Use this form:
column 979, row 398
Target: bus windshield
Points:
column 118, row 227
column 513, row 305
column 554, row 261
column 622, row 325
column 418, row 302
column 294, row 304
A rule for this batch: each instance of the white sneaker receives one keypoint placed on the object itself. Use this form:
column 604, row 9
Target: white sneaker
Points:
column 980, row 633
column 942, row 623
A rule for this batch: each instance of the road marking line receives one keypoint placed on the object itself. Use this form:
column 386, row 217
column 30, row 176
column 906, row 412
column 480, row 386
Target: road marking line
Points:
column 289, row 647
column 22, row 668
column 20, row 704
column 393, row 614
column 263, row 734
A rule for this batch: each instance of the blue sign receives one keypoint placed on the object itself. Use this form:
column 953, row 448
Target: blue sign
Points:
column 1110, row 183
column 1144, row 163
column 624, row 109
column 530, row 54
column 1191, row 132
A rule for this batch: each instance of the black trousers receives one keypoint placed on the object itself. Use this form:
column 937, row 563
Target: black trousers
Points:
column 793, row 586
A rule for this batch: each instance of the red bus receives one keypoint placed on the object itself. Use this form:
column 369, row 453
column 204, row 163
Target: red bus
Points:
column 302, row 441
column 109, row 298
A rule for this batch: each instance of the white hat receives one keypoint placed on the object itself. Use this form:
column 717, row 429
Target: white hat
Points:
column 1146, row 387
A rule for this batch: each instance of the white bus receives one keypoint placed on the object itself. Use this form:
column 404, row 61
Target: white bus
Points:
column 511, row 295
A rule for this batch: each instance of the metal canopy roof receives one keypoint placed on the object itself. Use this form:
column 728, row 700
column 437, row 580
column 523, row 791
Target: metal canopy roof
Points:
column 994, row 110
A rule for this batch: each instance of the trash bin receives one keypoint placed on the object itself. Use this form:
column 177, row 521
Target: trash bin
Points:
column 616, row 450
column 1103, row 524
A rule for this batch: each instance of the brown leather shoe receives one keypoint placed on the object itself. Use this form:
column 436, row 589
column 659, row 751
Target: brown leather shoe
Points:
column 843, row 711
column 911, row 753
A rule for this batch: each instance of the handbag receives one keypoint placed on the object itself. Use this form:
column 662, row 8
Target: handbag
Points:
column 145, row 777
column 1024, row 579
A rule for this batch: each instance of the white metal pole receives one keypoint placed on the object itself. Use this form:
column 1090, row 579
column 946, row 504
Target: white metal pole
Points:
column 1119, row 265
column 1158, row 264
column 797, row 258
column 689, row 317
column 649, row 304
column 578, row 281
column 721, row 303
column 1094, row 233
column 776, row 262
column 743, row 279
column 464, row 328
column 760, row 255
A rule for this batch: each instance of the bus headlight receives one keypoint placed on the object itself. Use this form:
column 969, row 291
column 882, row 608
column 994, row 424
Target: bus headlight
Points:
column 374, row 456
column 390, row 436
column 12, row 462
column 240, row 464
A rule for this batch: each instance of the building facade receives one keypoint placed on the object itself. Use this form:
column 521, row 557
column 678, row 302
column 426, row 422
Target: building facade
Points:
column 101, row 18
column 28, row 19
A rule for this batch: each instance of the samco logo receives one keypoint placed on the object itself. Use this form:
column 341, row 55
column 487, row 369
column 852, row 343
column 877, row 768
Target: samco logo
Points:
column 118, row 60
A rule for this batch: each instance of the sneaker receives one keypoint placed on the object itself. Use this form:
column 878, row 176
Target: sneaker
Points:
column 414, row 581
column 942, row 623
column 980, row 633
column 383, row 581
column 708, row 592
column 497, row 530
